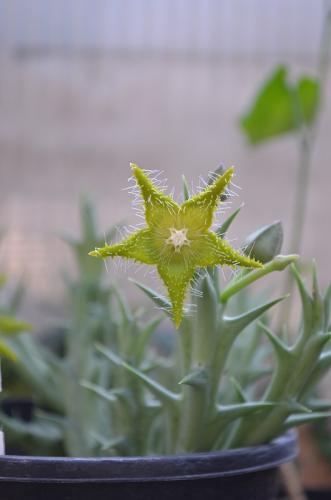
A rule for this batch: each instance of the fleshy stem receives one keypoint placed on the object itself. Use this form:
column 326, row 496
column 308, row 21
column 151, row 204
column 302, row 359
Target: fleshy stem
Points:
column 279, row 263
column 208, row 352
column 197, row 380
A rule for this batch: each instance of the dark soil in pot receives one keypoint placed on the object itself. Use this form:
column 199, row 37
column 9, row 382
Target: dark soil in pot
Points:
column 242, row 474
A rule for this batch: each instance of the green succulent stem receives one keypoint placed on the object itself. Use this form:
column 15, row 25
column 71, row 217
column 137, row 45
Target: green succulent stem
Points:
column 279, row 263
column 197, row 402
column 193, row 418
column 295, row 366
column 220, row 357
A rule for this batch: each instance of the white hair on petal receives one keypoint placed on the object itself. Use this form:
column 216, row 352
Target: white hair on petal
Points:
column 138, row 205
column 106, row 265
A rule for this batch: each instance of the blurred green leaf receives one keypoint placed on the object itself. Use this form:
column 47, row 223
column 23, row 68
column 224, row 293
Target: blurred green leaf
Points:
column 307, row 418
column 9, row 325
column 158, row 390
column 16, row 297
column 7, row 352
column 90, row 270
column 308, row 89
column 281, row 106
column 161, row 302
column 99, row 391
column 186, row 191
column 220, row 231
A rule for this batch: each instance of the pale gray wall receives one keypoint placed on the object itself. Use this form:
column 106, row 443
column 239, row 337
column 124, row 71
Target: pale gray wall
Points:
column 245, row 28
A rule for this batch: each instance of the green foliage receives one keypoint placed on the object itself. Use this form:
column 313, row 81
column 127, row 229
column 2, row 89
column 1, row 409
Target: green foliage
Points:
column 220, row 404
column 281, row 106
column 222, row 358
column 90, row 271
column 53, row 376
column 9, row 325
column 114, row 392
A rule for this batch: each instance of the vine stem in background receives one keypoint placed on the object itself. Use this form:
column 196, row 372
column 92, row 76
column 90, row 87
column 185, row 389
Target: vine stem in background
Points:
column 306, row 142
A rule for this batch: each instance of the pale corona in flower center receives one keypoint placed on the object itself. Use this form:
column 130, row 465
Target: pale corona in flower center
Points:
column 178, row 238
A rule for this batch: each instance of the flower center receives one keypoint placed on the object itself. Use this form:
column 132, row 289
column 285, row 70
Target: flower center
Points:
column 178, row 238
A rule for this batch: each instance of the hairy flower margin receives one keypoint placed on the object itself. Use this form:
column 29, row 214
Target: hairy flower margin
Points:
column 177, row 238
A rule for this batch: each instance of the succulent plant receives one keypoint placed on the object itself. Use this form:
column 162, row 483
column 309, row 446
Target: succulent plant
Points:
column 9, row 324
column 52, row 365
column 68, row 415
column 227, row 381
column 195, row 416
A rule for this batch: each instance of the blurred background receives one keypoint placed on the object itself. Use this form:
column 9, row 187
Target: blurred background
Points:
column 88, row 86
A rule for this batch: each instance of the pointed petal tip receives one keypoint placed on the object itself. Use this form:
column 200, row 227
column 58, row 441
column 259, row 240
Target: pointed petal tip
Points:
column 177, row 322
column 94, row 253
column 226, row 178
column 140, row 175
column 177, row 317
column 136, row 170
column 229, row 173
column 252, row 263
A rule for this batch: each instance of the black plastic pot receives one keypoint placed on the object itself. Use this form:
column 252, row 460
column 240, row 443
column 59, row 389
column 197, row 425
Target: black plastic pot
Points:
column 242, row 474
column 322, row 494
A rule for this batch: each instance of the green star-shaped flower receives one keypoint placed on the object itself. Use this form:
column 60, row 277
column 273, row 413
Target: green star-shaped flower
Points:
column 177, row 238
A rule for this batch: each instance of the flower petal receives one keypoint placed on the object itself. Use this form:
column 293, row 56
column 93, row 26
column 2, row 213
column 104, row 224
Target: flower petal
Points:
column 137, row 246
column 217, row 251
column 198, row 211
column 176, row 278
column 159, row 208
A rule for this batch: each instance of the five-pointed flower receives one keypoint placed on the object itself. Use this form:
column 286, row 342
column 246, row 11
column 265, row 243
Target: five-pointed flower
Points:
column 177, row 238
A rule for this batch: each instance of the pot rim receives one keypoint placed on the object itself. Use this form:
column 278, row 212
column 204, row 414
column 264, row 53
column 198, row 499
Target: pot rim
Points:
column 150, row 468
